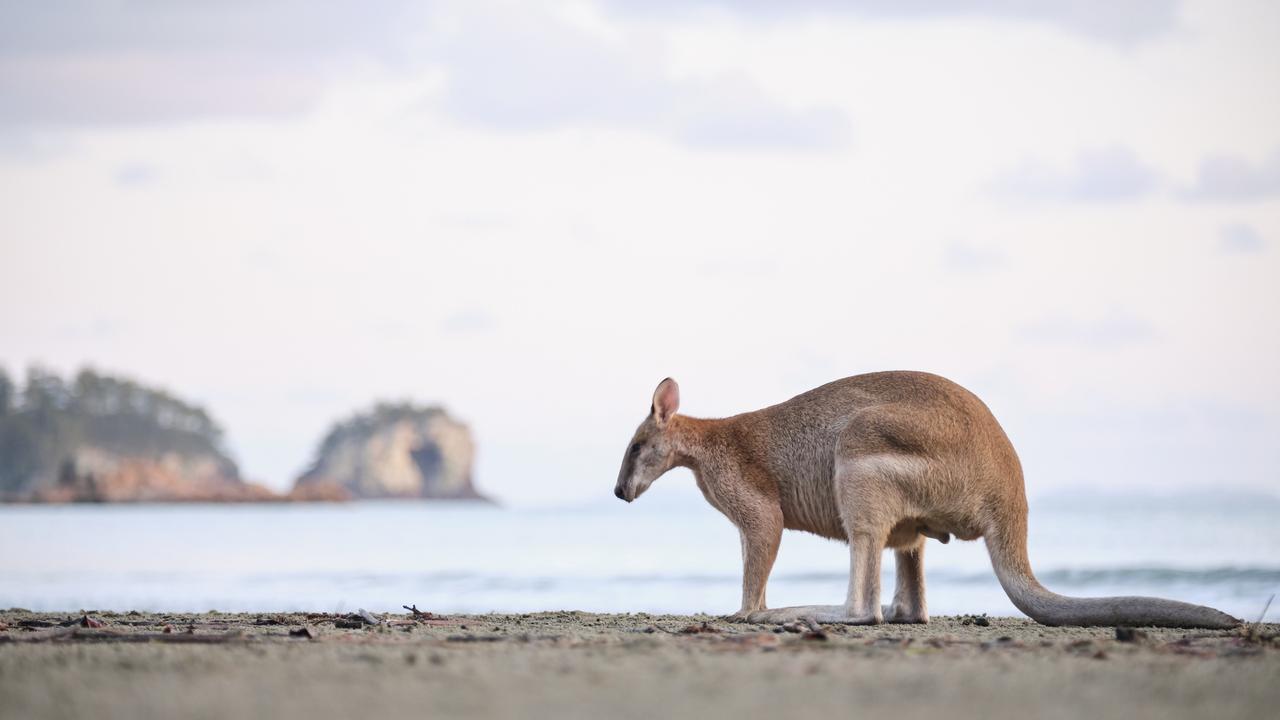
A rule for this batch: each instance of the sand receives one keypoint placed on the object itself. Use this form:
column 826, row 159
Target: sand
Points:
column 570, row 664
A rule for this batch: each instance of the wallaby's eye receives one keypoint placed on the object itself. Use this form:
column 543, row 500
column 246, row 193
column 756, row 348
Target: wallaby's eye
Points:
column 635, row 449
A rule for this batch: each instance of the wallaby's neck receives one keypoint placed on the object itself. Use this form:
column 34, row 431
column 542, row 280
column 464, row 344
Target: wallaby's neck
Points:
column 696, row 441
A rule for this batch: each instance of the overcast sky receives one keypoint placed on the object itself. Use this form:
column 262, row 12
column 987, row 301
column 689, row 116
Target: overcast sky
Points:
column 533, row 212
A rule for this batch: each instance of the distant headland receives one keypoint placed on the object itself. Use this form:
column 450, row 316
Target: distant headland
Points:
column 109, row 439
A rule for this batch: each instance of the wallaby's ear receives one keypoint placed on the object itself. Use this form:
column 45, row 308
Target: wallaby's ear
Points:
column 666, row 401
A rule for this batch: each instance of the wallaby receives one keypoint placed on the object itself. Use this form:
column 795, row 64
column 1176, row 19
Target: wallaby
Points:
column 882, row 460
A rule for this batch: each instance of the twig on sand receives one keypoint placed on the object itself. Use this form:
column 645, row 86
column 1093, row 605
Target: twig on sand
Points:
column 418, row 614
column 1252, row 632
column 1265, row 608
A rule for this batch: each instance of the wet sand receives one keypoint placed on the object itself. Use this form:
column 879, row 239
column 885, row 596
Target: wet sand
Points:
column 581, row 665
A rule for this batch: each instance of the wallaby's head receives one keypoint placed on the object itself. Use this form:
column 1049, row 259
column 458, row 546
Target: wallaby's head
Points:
column 651, row 451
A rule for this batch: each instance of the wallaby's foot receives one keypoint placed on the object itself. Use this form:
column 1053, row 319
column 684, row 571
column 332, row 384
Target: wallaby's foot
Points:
column 742, row 616
column 829, row 614
column 904, row 615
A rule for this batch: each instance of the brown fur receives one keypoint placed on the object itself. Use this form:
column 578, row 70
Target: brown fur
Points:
column 882, row 460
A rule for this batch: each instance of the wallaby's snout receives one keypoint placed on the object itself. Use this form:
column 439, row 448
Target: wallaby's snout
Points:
column 650, row 453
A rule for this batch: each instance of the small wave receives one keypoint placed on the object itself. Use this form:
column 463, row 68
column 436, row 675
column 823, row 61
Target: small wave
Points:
column 1138, row 575
column 1162, row 576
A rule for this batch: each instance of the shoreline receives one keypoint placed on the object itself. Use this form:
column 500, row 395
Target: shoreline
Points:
column 577, row 664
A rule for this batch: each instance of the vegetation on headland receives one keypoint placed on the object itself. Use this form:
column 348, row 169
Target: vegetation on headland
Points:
column 104, row 437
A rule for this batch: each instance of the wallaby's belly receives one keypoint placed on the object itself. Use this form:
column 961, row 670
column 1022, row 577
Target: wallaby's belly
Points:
column 808, row 502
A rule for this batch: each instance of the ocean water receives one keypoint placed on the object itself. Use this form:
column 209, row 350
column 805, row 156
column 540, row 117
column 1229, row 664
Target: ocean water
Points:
column 667, row 556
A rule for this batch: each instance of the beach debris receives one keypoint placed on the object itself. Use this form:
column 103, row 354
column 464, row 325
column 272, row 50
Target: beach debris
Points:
column 700, row 628
column 979, row 620
column 1130, row 635
column 90, row 622
column 167, row 629
column 3, row 626
column 1253, row 632
column 420, row 615
column 356, row 620
column 33, row 624
column 302, row 632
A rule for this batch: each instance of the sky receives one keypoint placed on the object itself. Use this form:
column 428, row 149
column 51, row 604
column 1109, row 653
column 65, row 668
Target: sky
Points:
column 532, row 212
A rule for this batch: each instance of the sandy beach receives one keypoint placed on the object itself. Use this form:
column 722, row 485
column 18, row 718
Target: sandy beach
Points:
column 571, row 664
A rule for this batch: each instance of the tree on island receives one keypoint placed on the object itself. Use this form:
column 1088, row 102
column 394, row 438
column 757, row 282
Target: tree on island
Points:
column 48, row 422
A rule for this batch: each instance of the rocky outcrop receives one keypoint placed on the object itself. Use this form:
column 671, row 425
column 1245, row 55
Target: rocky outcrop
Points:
column 106, row 439
column 393, row 451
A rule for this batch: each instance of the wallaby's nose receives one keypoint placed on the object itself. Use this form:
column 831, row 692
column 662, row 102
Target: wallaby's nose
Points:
column 617, row 492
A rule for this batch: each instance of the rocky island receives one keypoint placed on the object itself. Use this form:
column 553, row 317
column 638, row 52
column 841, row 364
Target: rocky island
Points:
column 100, row 438
column 394, row 450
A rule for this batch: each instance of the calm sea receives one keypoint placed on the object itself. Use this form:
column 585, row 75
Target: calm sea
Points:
column 654, row 557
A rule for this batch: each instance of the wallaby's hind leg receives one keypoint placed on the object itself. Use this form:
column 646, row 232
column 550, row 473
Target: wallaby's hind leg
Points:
column 908, row 597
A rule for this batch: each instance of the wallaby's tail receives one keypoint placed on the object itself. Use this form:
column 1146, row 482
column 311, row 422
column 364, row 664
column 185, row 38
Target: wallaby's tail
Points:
column 1008, row 548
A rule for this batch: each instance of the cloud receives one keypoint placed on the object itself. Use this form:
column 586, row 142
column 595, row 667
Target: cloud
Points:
column 1241, row 238
column 537, row 71
column 136, row 175
column 732, row 113
column 508, row 67
column 1100, row 175
column 1114, row 328
column 1232, row 178
column 969, row 258
column 1120, row 23
column 68, row 62
column 468, row 321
